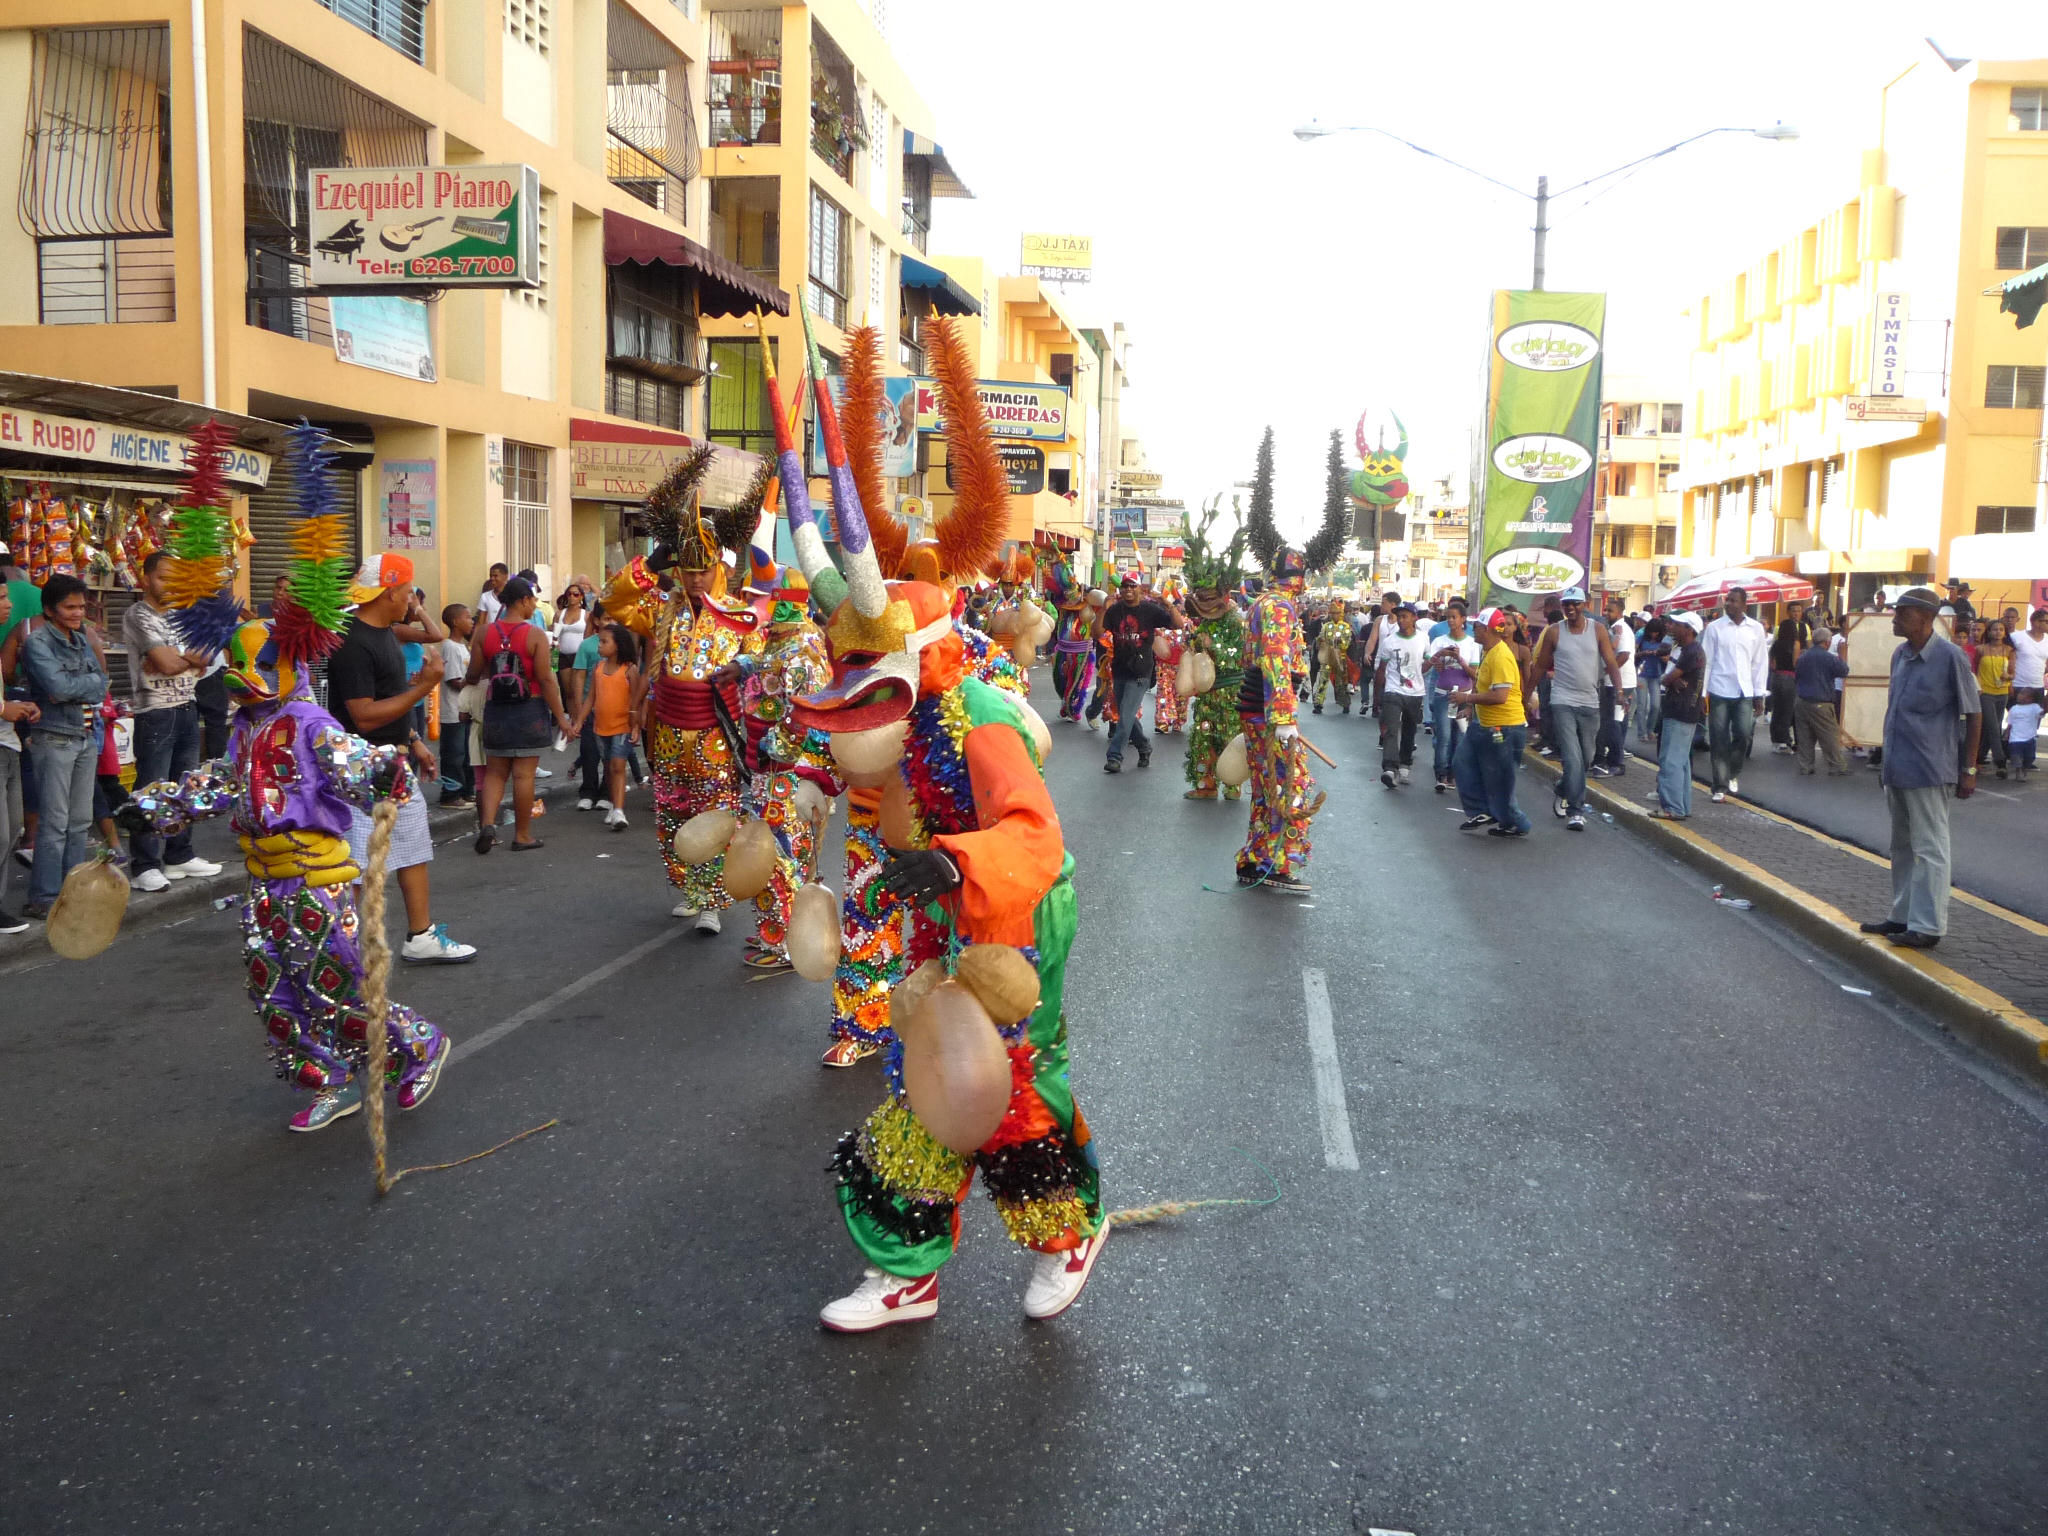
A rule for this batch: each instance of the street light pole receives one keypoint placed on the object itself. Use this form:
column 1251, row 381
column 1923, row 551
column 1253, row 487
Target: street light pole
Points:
column 1542, row 228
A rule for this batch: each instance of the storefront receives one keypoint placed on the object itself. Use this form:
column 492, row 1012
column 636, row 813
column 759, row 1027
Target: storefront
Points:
column 615, row 465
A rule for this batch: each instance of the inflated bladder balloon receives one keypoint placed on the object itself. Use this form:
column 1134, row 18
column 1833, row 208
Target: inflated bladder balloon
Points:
column 869, row 758
column 812, row 803
column 910, row 992
column 1234, row 763
column 703, row 837
column 1004, row 621
column 1162, row 644
column 1205, row 673
column 750, row 860
column 956, row 1072
column 1002, row 978
column 1023, row 651
column 1041, row 624
column 1184, row 674
column 86, row 916
column 1041, row 738
column 898, row 814
column 813, row 942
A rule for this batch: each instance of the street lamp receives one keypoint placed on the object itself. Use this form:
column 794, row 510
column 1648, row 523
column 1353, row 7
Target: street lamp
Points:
column 1778, row 132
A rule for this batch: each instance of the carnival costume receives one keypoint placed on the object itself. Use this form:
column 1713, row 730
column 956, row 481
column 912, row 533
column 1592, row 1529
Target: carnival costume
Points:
column 1219, row 634
column 287, row 783
column 1333, row 657
column 1073, row 657
column 1284, row 795
column 985, row 865
column 1170, row 710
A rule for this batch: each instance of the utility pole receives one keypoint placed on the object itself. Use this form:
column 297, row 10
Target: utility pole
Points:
column 1542, row 227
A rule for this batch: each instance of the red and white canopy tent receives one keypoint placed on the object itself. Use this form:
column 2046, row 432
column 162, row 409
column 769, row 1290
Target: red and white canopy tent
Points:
column 1706, row 591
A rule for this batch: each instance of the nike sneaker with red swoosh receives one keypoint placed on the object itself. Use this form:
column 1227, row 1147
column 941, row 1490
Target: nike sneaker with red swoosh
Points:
column 881, row 1299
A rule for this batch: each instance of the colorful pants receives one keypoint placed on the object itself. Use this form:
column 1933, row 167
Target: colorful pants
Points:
column 772, row 797
column 900, row 1191
column 1336, row 675
column 694, row 771
column 872, row 935
column 306, row 980
column 1073, row 673
column 1214, row 720
column 1283, row 799
column 1170, row 709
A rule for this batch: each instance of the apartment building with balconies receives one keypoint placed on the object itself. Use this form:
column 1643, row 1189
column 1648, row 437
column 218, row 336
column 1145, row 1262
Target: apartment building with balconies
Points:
column 1636, row 504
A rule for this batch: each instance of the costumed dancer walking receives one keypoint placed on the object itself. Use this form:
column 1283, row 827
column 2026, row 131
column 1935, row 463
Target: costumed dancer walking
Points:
column 1073, row 651
column 288, row 782
column 1333, row 650
column 1284, row 794
column 1218, row 634
column 688, row 699
column 1169, row 709
column 985, row 870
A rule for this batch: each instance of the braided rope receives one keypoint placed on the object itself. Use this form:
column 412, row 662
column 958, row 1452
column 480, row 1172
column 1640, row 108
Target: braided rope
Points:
column 377, row 981
column 1142, row 1215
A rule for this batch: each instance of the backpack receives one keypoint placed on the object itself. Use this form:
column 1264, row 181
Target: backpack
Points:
column 507, row 681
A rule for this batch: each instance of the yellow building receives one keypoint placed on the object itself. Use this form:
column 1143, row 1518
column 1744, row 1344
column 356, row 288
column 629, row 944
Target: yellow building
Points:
column 1806, row 446
column 1636, row 505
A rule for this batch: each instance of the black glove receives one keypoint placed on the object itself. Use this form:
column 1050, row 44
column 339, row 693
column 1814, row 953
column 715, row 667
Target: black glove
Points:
column 131, row 819
column 919, row 875
column 660, row 558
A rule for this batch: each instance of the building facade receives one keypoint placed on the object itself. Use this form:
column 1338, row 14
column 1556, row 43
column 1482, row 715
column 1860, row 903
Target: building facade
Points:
column 1857, row 405
column 1637, row 507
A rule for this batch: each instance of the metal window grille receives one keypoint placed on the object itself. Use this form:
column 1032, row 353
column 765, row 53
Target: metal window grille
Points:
column 2022, row 247
column 738, row 413
column 829, row 258
column 2005, row 519
column 2015, row 386
column 2029, row 108
column 103, row 282
column 96, row 146
column 745, row 83
column 400, row 23
column 656, row 402
column 529, row 523
column 653, row 149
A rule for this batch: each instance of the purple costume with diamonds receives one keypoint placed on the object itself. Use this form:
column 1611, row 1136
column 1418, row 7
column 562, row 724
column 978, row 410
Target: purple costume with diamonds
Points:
column 288, row 781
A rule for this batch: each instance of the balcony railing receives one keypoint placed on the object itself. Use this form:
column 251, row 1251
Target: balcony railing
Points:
column 106, row 282
column 278, row 300
column 652, row 149
column 917, row 229
column 401, row 23
column 745, row 110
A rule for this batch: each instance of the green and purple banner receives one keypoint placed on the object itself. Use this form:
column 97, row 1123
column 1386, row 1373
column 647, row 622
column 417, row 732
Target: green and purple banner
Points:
column 1532, row 526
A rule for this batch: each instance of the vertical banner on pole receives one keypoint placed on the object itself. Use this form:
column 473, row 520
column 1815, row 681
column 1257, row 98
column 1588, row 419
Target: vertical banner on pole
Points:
column 1532, row 530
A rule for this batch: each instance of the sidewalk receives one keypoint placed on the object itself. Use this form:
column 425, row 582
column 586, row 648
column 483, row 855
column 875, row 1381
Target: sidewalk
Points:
column 1987, row 981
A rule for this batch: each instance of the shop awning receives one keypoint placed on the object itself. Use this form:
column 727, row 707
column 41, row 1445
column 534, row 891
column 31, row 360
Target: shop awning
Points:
column 723, row 288
column 1047, row 538
column 1763, row 586
column 948, row 297
column 2023, row 296
column 945, row 182
column 45, row 418
column 622, row 461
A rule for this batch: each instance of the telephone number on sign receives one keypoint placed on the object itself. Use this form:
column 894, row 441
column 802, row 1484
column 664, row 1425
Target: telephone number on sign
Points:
column 462, row 266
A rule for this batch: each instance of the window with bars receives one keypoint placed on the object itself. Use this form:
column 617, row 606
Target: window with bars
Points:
column 96, row 151
column 830, row 264
column 105, row 282
column 2029, row 111
column 528, row 523
column 400, row 23
column 2014, row 386
column 2005, row 519
column 2021, row 247
column 657, row 402
column 1666, row 540
column 1671, row 420
column 739, row 413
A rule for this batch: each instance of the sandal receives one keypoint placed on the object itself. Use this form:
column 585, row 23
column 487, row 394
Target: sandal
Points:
column 486, row 840
column 1663, row 815
column 528, row 847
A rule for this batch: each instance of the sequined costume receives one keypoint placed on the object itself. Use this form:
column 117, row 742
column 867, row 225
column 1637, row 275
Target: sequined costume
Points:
column 1170, row 710
column 288, row 781
column 785, row 754
column 1213, row 717
column 1284, row 795
column 690, row 752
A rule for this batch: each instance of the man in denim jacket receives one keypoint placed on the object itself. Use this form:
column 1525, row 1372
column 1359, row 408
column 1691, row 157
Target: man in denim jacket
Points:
column 67, row 678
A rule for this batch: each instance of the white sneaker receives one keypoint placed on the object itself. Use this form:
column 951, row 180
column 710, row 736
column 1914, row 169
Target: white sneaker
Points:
column 1057, row 1280
column 616, row 821
column 583, row 804
column 543, row 773
column 151, row 880
column 194, row 869
column 682, row 909
column 881, row 1299
column 602, row 805
column 435, row 946
column 707, row 922
column 1403, row 774
column 1735, row 786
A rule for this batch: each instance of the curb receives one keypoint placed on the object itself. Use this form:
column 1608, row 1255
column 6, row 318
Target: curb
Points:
column 194, row 895
column 1959, row 1005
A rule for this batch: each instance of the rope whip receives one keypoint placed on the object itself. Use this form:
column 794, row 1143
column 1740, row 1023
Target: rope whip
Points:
column 1144, row 1215
column 376, row 992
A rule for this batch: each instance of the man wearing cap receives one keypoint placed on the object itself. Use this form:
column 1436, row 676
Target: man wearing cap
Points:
column 1959, row 599
column 1491, row 750
column 1684, row 703
column 1129, row 623
column 1932, row 718
column 1403, row 655
column 368, row 692
column 1738, row 674
column 1573, row 653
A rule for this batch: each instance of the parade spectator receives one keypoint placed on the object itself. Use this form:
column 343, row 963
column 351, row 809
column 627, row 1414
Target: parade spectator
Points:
column 2022, row 726
column 370, row 694
column 458, row 780
column 1491, row 753
column 1787, row 644
column 1738, row 674
column 589, row 765
column 1570, row 656
column 1371, row 636
column 1994, row 688
column 1653, row 648
column 1683, row 684
column 1931, row 723
column 2030, row 659
column 522, row 697
column 1402, row 655
column 1959, row 599
column 1816, row 685
column 607, row 707
column 13, row 712
column 1454, row 657
column 1130, row 622
column 1610, row 757
column 489, row 601
column 166, row 712
column 567, row 634
column 67, row 679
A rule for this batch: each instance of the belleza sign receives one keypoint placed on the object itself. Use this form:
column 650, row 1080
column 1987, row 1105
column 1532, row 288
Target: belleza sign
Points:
column 425, row 226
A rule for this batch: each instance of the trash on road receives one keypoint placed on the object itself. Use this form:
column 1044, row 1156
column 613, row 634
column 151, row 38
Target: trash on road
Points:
column 1739, row 903
column 222, row 903
column 1857, row 991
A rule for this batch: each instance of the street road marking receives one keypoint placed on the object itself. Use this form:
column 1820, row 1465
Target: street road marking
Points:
column 1339, row 1151
column 575, row 988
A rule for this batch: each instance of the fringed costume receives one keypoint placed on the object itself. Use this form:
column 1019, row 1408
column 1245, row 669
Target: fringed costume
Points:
column 1212, row 575
column 1284, row 795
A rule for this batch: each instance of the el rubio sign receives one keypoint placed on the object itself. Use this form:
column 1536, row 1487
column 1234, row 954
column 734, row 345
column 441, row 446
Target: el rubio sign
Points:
column 68, row 437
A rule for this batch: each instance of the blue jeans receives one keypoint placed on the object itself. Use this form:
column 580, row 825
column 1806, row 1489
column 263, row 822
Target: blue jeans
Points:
column 1574, row 728
column 1730, row 725
column 1613, row 751
column 1498, row 762
column 1445, row 732
column 166, row 747
column 1130, row 700
column 64, row 766
column 1649, row 707
column 1674, row 766
column 455, row 758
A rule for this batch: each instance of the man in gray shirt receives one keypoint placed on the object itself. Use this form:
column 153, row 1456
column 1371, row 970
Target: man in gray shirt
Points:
column 1574, row 652
column 1931, row 723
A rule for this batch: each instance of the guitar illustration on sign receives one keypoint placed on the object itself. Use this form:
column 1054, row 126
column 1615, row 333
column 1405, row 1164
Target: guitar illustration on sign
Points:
column 403, row 237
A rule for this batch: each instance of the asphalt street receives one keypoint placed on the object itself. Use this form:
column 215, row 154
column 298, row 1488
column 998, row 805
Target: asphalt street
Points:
column 1654, row 1226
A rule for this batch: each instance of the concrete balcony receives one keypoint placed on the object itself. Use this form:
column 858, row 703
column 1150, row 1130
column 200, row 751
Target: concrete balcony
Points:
column 1631, row 511
column 1616, row 573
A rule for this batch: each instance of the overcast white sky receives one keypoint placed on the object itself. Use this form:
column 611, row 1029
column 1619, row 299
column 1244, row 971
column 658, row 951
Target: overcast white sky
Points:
column 1264, row 280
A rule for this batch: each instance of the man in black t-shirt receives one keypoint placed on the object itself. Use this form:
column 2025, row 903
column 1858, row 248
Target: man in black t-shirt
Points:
column 1130, row 622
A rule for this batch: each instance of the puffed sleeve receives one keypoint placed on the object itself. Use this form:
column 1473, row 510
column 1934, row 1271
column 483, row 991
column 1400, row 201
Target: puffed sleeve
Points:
column 1012, row 859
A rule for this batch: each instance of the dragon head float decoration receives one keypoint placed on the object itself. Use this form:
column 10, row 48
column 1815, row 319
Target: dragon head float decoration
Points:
column 1381, row 482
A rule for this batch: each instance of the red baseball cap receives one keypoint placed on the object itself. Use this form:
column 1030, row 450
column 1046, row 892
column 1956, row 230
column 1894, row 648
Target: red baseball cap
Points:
column 1491, row 618
column 379, row 574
